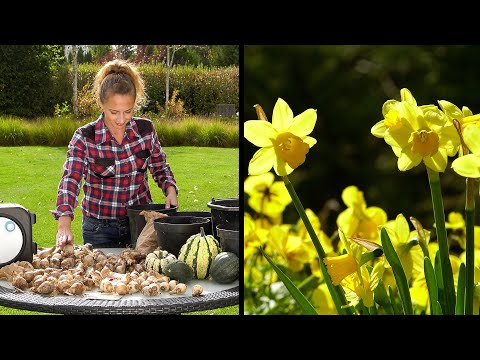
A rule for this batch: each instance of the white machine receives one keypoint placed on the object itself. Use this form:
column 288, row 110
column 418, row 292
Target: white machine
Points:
column 16, row 234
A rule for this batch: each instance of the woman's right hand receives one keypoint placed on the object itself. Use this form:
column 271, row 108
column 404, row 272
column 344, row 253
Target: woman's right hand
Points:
column 64, row 233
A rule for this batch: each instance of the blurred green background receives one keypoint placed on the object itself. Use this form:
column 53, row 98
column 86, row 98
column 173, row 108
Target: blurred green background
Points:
column 348, row 85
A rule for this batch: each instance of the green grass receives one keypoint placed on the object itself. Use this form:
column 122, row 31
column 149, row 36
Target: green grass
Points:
column 57, row 131
column 30, row 177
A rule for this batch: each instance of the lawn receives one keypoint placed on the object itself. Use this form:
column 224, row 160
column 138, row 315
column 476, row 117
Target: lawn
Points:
column 29, row 176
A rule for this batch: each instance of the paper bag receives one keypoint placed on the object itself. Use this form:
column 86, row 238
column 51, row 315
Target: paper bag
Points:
column 147, row 240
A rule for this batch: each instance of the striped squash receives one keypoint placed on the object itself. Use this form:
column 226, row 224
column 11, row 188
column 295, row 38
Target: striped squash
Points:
column 198, row 252
column 158, row 260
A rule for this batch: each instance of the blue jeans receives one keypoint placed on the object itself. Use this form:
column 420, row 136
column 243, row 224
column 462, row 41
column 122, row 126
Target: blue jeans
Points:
column 106, row 233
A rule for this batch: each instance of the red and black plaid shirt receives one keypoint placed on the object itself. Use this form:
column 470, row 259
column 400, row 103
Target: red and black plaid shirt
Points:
column 115, row 175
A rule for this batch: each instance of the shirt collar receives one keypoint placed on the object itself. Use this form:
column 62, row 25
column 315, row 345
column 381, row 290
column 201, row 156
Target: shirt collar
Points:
column 102, row 134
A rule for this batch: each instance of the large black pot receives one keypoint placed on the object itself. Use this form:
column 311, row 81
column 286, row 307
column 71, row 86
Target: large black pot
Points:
column 203, row 214
column 224, row 212
column 229, row 239
column 137, row 221
column 174, row 231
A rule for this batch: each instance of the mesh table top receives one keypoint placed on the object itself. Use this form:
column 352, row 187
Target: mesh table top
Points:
column 93, row 302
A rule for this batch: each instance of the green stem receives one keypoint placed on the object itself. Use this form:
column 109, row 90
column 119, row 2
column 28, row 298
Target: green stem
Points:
column 335, row 291
column 439, row 214
column 470, row 244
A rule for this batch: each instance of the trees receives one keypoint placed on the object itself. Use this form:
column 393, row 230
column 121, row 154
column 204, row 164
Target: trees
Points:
column 73, row 49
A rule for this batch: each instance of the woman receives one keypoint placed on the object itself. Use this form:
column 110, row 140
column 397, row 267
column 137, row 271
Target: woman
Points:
column 112, row 155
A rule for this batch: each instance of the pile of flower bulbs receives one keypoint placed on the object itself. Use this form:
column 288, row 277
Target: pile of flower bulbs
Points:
column 75, row 269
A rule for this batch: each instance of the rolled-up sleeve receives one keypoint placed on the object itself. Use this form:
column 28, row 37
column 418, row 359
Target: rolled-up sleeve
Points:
column 73, row 170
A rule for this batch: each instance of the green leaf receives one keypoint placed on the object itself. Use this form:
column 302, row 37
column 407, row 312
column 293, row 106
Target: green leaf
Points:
column 397, row 309
column 438, row 276
column 432, row 285
column 382, row 299
column 398, row 272
column 460, row 307
column 301, row 300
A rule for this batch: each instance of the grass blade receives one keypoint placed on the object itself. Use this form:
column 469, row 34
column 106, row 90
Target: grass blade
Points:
column 398, row 272
column 301, row 300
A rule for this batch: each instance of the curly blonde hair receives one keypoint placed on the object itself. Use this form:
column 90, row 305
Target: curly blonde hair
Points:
column 119, row 77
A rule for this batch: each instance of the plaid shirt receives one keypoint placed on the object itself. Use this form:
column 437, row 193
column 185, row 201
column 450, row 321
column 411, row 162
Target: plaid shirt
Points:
column 115, row 175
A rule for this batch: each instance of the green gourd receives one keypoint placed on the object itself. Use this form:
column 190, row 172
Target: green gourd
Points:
column 225, row 267
column 179, row 270
column 158, row 260
column 198, row 252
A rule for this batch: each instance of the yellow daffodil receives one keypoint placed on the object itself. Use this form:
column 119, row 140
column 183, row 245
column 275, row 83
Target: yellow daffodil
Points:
column 417, row 133
column 455, row 221
column 290, row 248
column 339, row 267
column 322, row 237
column 284, row 142
column 357, row 289
column 358, row 220
column 469, row 165
column 254, row 236
column 322, row 300
column 406, row 245
column 267, row 196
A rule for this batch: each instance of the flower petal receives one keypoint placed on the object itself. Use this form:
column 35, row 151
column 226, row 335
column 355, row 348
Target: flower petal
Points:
column 259, row 132
column 437, row 162
column 379, row 129
column 407, row 96
column 309, row 140
column 252, row 183
column 468, row 166
column 450, row 109
column 398, row 137
column 281, row 167
column 282, row 116
column 408, row 160
column 471, row 136
column 303, row 123
column 262, row 161
column 402, row 229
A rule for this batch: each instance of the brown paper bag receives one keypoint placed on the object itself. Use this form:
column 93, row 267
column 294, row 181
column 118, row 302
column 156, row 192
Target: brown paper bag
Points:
column 147, row 240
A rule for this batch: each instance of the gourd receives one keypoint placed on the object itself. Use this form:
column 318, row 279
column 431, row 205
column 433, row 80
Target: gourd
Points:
column 198, row 252
column 179, row 270
column 225, row 267
column 158, row 260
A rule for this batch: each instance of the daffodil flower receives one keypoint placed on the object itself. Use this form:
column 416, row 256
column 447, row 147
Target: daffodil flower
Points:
column 358, row 220
column 290, row 248
column 322, row 300
column 322, row 237
column 284, row 142
column 469, row 165
column 404, row 241
column 417, row 133
column 267, row 196
column 363, row 288
column 342, row 266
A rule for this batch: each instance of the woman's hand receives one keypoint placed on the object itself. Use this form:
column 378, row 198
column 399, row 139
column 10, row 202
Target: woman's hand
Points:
column 64, row 233
column 171, row 199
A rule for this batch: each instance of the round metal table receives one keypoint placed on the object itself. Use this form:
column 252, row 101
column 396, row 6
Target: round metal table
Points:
column 214, row 296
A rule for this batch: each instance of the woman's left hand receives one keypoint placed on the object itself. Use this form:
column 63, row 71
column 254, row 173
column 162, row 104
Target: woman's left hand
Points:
column 171, row 199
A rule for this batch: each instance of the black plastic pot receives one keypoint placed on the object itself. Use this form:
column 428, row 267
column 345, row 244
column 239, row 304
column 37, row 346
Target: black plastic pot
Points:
column 203, row 214
column 229, row 238
column 174, row 231
column 224, row 212
column 137, row 221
